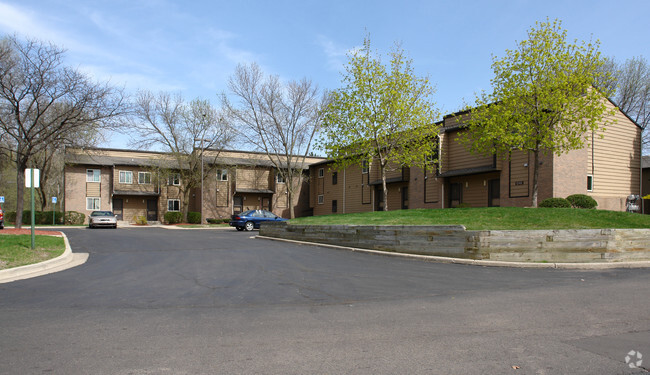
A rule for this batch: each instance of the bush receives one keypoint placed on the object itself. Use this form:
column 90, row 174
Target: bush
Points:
column 555, row 203
column 40, row 217
column 582, row 201
column 194, row 217
column 173, row 217
column 74, row 218
column 10, row 217
column 217, row 221
column 140, row 220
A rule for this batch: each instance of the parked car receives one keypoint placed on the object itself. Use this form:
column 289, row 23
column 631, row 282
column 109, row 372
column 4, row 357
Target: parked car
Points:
column 252, row 219
column 102, row 219
column 2, row 219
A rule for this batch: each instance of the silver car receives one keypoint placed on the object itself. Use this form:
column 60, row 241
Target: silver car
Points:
column 102, row 219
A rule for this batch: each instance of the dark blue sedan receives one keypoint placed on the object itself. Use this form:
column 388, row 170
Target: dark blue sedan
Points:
column 252, row 219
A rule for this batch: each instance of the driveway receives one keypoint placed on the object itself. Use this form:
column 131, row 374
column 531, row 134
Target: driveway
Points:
column 156, row 301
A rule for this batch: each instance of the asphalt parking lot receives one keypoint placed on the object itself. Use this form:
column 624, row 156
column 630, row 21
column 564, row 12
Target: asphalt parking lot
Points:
column 150, row 300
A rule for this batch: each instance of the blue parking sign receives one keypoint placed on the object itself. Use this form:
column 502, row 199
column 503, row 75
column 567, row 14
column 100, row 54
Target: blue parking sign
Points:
column 53, row 199
column 2, row 199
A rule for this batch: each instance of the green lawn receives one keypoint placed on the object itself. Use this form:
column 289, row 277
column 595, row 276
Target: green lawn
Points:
column 15, row 250
column 496, row 218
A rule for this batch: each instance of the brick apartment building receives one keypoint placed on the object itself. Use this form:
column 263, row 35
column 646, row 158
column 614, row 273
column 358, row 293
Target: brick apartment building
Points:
column 608, row 169
column 130, row 184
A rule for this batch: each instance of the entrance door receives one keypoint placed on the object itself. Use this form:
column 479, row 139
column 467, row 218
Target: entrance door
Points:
column 379, row 198
column 152, row 209
column 494, row 193
column 266, row 204
column 118, row 208
column 405, row 197
column 238, row 204
column 455, row 194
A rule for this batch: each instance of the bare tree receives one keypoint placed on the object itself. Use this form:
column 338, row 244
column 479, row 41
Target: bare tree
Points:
column 278, row 119
column 631, row 84
column 167, row 122
column 43, row 102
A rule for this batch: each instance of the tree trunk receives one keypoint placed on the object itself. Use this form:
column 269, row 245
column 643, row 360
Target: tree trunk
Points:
column 535, row 176
column 21, row 165
column 384, row 187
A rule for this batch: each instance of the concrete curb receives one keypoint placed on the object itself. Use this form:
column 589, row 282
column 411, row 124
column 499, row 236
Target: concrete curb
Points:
column 473, row 262
column 64, row 261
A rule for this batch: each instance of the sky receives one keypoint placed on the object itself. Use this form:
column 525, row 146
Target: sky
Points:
column 192, row 47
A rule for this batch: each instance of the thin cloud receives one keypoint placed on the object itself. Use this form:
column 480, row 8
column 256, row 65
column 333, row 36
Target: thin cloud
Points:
column 336, row 54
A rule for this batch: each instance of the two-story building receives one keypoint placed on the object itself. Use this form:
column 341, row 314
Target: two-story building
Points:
column 144, row 183
column 608, row 169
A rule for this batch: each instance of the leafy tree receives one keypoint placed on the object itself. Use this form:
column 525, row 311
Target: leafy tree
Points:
column 45, row 103
column 279, row 119
column 383, row 114
column 167, row 122
column 542, row 100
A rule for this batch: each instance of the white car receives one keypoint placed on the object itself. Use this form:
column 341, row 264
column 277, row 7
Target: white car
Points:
column 102, row 219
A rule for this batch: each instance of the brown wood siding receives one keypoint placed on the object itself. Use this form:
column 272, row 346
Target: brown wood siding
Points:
column 249, row 178
column 456, row 156
column 282, row 198
column 431, row 186
column 519, row 174
column 93, row 189
column 616, row 158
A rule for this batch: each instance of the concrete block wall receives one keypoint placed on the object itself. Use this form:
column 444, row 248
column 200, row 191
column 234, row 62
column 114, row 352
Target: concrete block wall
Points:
column 588, row 245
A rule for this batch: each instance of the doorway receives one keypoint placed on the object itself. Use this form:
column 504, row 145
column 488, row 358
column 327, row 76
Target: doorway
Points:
column 237, row 204
column 152, row 209
column 118, row 208
column 455, row 194
column 266, row 203
column 494, row 193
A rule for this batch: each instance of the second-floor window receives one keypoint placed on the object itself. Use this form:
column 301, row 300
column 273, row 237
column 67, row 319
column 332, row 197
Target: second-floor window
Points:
column 175, row 179
column 222, row 175
column 321, row 172
column 335, row 178
column 92, row 175
column 279, row 178
column 126, row 177
column 364, row 167
column 144, row 177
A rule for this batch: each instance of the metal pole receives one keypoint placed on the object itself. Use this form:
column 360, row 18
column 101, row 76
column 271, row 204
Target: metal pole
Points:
column 201, row 180
column 33, row 214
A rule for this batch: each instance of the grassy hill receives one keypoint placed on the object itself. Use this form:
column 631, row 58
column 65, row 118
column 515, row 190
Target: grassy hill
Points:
column 496, row 218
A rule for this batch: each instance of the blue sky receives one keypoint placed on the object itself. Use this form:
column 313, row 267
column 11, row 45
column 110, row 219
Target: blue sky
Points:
column 193, row 46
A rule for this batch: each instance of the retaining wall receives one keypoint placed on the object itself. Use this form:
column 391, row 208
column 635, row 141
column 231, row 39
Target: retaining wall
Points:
column 588, row 245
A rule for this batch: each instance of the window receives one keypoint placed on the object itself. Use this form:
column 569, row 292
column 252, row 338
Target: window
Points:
column 590, row 182
column 222, row 175
column 92, row 175
column 335, row 178
column 175, row 179
column 144, row 177
column 364, row 167
column 321, row 172
column 334, row 205
column 321, row 199
column 430, row 159
column 173, row 205
column 279, row 178
column 126, row 177
column 92, row 203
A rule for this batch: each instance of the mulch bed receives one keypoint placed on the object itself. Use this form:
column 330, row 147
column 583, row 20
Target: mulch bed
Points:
column 29, row 231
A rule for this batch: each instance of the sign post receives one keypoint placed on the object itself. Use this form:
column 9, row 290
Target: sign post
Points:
column 54, row 211
column 31, row 181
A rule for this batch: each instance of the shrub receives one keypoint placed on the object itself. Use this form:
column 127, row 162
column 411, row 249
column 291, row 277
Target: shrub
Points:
column 74, row 218
column 10, row 216
column 555, row 203
column 40, row 217
column 173, row 217
column 140, row 220
column 215, row 221
column 582, row 201
column 194, row 217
